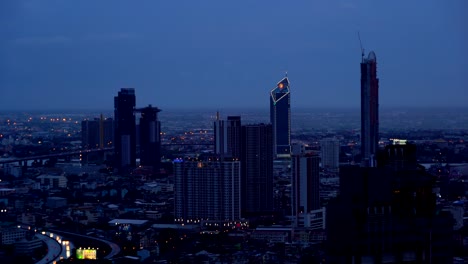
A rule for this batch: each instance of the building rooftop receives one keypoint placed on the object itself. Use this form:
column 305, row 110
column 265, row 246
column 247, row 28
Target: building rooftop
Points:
column 127, row 222
column 371, row 56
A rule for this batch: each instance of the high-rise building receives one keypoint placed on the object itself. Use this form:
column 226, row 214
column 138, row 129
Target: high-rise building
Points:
column 207, row 191
column 280, row 118
column 234, row 137
column 369, row 110
column 125, row 131
column 330, row 151
column 150, row 137
column 257, row 169
column 90, row 134
column 227, row 137
column 305, row 195
column 388, row 214
column 97, row 133
column 106, row 132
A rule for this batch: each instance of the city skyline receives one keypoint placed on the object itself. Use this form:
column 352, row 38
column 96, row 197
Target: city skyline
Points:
column 181, row 57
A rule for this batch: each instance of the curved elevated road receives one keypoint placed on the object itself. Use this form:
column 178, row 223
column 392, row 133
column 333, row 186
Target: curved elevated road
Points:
column 57, row 248
column 115, row 249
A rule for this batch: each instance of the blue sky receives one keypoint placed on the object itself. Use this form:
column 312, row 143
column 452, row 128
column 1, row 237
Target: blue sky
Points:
column 225, row 54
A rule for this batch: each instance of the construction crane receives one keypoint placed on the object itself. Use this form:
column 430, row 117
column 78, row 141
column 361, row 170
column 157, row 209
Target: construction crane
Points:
column 360, row 43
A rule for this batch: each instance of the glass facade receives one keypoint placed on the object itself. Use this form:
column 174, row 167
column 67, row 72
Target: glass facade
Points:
column 280, row 117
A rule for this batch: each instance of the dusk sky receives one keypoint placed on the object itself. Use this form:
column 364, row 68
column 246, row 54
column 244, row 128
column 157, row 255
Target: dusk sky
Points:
column 77, row 54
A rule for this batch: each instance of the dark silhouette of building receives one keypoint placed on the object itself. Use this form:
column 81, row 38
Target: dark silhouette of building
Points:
column 280, row 118
column 150, row 137
column 330, row 154
column 97, row 133
column 257, row 169
column 227, row 137
column 106, row 131
column 234, row 137
column 369, row 110
column 398, row 157
column 305, row 182
column 387, row 214
column 90, row 134
column 125, row 131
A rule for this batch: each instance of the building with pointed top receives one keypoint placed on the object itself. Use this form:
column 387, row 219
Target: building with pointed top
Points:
column 280, row 118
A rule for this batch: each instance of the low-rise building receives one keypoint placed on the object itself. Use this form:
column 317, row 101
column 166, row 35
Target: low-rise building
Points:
column 56, row 202
column 11, row 235
column 52, row 181
column 27, row 246
column 273, row 234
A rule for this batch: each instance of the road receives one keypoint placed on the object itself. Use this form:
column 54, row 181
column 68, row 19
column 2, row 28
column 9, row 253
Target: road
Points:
column 57, row 248
column 115, row 249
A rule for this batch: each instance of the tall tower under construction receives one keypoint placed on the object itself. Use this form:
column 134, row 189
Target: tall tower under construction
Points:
column 369, row 110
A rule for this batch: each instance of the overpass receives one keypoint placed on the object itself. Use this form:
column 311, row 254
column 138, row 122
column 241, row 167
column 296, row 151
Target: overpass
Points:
column 80, row 152
column 55, row 155
column 115, row 249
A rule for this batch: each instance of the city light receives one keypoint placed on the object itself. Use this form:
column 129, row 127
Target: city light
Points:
column 89, row 253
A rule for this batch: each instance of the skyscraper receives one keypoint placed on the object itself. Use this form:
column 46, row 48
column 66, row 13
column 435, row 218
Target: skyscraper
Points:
column 106, row 132
column 330, row 150
column 125, row 131
column 369, row 110
column 90, row 134
column 207, row 191
column 280, row 118
column 150, row 137
column 305, row 183
column 227, row 137
column 388, row 213
column 97, row 133
column 257, row 169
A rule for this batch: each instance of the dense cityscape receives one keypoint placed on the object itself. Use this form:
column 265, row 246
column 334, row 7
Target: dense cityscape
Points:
column 284, row 185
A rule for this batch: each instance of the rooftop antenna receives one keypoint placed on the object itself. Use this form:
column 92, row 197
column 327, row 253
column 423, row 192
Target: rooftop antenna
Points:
column 362, row 50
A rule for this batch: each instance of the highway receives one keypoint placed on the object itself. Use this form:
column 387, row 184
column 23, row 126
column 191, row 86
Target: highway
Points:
column 56, row 155
column 57, row 248
column 115, row 249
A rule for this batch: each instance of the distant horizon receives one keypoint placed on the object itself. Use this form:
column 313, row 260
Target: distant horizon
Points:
column 229, row 109
column 308, row 118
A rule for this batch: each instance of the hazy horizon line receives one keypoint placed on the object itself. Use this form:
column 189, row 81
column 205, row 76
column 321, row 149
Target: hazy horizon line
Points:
column 243, row 109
